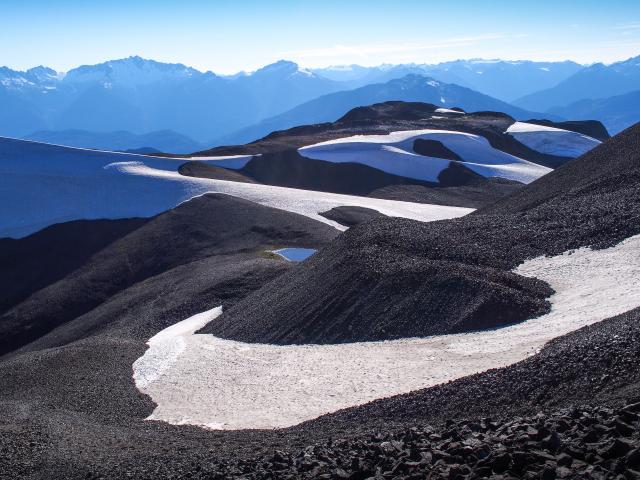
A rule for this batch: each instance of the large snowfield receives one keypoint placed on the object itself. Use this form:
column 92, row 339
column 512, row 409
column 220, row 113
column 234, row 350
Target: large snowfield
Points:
column 43, row 184
column 393, row 153
column 221, row 384
column 551, row 140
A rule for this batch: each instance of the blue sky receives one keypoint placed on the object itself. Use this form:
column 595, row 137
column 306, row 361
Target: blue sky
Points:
column 228, row 36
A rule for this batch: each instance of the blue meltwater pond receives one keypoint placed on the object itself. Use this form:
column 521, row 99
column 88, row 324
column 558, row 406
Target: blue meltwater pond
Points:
column 295, row 254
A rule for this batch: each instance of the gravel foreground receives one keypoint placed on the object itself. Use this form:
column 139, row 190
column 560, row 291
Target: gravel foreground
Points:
column 593, row 370
column 580, row 442
column 69, row 408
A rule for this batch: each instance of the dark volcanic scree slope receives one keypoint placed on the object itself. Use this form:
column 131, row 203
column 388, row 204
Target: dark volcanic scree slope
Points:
column 213, row 226
column 72, row 411
column 83, row 298
column 78, row 314
column 391, row 278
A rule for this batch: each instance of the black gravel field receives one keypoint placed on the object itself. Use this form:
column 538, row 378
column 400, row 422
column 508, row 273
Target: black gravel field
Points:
column 68, row 404
column 350, row 215
column 69, row 408
column 570, row 411
column 392, row 278
column 210, row 226
column 473, row 194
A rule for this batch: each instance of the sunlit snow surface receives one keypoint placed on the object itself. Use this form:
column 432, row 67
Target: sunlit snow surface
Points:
column 43, row 184
column 223, row 384
column 448, row 110
column 551, row 140
column 393, row 153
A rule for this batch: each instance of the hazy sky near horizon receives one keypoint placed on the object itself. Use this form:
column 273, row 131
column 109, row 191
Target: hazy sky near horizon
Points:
column 227, row 36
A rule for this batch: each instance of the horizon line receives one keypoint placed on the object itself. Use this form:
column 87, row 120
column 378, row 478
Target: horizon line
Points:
column 334, row 65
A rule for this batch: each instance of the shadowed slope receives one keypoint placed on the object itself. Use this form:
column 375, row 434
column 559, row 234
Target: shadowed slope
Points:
column 209, row 225
column 38, row 260
column 609, row 169
column 474, row 194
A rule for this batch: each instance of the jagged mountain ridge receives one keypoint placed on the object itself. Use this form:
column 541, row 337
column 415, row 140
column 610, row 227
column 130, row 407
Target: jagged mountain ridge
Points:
column 143, row 95
column 617, row 112
column 594, row 82
column 411, row 88
column 502, row 79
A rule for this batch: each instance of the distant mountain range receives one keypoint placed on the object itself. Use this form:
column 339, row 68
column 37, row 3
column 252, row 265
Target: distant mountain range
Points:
column 609, row 93
column 140, row 96
column 411, row 88
column 617, row 113
column 505, row 80
column 593, row 82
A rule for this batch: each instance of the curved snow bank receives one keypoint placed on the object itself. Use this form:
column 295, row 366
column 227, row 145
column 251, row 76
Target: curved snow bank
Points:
column 393, row 153
column 551, row 140
column 42, row 184
column 167, row 346
column 223, row 384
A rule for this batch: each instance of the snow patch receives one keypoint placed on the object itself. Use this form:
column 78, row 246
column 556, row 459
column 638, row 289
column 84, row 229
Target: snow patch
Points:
column 551, row 140
column 393, row 153
column 448, row 110
column 166, row 347
column 43, row 184
column 222, row 384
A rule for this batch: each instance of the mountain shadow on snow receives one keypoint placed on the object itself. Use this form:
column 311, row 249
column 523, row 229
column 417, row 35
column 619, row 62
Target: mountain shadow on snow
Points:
column 434, row 148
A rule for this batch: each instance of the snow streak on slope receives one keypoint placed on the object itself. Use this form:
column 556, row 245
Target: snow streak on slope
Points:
column 167, row 346
column 42, row 184
column 448, row 110
column 551, row 140
column 223, row 384
column 394, row 154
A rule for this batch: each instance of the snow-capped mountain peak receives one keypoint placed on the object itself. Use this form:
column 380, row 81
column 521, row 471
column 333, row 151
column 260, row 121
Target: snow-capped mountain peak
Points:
column 281, row 67
column 44, row 76
column 130, row 72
